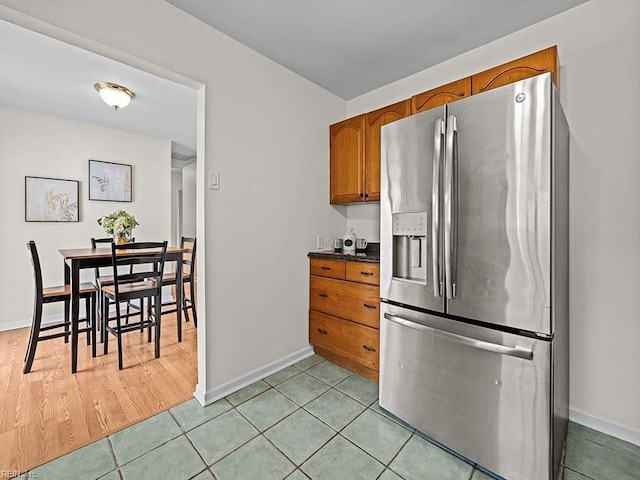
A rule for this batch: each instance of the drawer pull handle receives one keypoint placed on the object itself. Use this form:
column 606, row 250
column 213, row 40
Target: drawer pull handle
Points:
column 325, row 268
column 323, row 332
column 368, row 349
column 367, row 274
column 323, row 295
column 372, row 307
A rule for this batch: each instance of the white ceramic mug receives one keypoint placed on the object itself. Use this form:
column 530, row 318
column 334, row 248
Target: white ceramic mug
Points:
column 361, row 243
column 336, row 243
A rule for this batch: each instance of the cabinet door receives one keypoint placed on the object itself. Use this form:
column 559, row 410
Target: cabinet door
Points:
column 347, row 160
column 375, row 120
column 441, row 95
column 535, row 64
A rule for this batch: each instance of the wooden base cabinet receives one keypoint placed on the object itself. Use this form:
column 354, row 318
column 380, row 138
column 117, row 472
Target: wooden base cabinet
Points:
column 354, row 342
column 344, row 315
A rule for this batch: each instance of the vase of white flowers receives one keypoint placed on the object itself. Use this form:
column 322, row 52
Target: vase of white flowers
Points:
column 119, row 224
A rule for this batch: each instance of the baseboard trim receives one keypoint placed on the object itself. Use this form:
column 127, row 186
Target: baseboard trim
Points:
column 210, row 396
column 622, row 432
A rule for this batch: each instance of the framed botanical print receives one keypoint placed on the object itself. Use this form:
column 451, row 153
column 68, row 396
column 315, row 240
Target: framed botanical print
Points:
column 110, row 182
column 51, row 200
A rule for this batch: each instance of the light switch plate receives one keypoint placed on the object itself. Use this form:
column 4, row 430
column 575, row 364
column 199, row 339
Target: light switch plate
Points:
column 214, row 180
column 320, row 241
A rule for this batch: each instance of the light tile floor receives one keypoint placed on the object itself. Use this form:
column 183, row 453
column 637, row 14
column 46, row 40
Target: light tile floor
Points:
column 311, row 420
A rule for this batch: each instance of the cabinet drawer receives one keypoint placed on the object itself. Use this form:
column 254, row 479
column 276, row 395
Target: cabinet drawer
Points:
column 355, row 342
column 353, row 301
column 327, row 268
column 363, row 272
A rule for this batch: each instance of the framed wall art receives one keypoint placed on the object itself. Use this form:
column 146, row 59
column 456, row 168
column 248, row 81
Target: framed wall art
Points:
column 51, row 200
column 110, row 182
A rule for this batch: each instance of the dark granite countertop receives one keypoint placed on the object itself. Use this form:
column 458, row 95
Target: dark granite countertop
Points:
column 370, row 255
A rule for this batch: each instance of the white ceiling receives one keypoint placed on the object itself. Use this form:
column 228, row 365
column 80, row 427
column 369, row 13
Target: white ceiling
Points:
column 48, row 76
column 350, row 47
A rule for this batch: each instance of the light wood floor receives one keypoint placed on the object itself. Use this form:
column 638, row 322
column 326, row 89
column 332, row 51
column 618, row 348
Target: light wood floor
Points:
column 50, row 412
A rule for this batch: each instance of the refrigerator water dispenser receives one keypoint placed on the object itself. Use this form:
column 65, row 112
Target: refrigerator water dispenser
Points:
column 410, row 247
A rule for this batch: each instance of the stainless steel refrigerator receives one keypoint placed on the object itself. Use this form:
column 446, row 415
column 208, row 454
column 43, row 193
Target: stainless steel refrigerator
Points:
column 474, row 277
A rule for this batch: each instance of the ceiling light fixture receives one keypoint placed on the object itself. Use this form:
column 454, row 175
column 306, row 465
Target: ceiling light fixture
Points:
column 114, row 95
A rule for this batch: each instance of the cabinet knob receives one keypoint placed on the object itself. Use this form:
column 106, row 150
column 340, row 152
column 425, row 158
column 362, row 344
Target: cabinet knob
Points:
column 372, row 307
column 366, row 195
column 362, row 195
column 368, row 349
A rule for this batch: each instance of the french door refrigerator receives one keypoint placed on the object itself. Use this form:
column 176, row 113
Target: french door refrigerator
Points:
column 474, row 276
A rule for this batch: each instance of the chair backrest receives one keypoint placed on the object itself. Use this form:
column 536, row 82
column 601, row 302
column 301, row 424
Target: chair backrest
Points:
column 37, row 271
column 189, row 256
column 94, row 244
column 149, row 257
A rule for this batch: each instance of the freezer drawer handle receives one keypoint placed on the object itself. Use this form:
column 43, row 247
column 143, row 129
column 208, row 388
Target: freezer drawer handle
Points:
column 368, row 349
column 516, row 351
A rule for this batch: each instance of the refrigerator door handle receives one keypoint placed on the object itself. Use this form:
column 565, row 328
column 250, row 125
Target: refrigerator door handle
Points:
column 450, row 191
column 517, row 351
column 435, row 207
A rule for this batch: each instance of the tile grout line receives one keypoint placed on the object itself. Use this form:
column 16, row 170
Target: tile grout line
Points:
column 115, row 459
column 564, row 467
column 119, row 466
column 206, row 466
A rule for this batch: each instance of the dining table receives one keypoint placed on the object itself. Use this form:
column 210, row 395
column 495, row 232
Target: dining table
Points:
column 76, row 259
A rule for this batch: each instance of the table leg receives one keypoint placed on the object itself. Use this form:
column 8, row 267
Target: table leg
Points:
column 75, row 308
column 179, row 293
column 67, row 303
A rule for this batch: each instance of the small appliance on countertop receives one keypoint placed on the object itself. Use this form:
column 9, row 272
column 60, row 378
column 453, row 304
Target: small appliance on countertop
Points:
column 349, row 243
column 371, row 254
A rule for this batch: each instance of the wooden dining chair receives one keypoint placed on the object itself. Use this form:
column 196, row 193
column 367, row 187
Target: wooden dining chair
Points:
column 188, row 276
column 100, row 279
column 143, row 284
column 55, row 294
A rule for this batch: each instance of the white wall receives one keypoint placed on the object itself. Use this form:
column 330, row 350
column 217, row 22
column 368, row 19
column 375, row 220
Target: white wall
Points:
column 598, row 45
column 40, row 145
column 189, row 207
column 176, row 214
column 266, row 131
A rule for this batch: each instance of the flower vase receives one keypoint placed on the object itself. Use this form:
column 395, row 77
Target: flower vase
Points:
column 121, row 238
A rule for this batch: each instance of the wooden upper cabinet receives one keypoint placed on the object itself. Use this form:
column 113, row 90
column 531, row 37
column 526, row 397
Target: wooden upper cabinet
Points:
column 535, row 64
column 356, row 142
column 375, row 120
column 346, row 147
column 441, row 95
